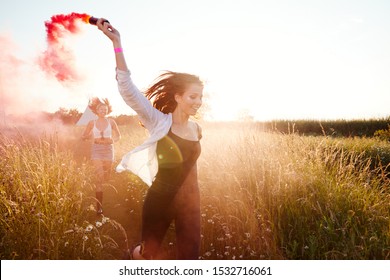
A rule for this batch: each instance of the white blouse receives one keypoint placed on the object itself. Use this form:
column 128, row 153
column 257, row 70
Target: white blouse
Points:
column 142, row 161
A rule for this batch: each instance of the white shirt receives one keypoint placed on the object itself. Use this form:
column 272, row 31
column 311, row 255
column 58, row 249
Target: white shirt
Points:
column 142, row 160
column 106, row 133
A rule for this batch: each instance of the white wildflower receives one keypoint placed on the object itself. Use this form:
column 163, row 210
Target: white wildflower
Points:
column 98, row 224
column 89, row 228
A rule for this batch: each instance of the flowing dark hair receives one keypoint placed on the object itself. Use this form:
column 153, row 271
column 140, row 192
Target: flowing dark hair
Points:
column 95, row 103
column 162, row 91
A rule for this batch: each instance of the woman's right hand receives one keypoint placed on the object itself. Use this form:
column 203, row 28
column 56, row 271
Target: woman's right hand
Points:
column 115, row 37
column 109, row 31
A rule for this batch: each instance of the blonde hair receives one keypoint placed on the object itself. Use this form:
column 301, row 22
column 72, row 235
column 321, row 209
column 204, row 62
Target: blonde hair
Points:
column 95, row 103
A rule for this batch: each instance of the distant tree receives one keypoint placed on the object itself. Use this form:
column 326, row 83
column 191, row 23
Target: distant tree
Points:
column 126, row 120
column 67, row 116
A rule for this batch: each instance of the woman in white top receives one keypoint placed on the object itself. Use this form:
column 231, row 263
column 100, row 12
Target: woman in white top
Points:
column 105, row 132
column 166, row 161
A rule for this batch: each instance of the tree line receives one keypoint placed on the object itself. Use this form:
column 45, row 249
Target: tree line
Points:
column 335, row 128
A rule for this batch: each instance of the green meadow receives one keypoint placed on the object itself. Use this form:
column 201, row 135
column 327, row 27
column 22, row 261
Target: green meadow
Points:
column 265, row 194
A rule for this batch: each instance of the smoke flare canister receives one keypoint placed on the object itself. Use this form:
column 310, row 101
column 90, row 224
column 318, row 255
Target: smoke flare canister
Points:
column 93, row 20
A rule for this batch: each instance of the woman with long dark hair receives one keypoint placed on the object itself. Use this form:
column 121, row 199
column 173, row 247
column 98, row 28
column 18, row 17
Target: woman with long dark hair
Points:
column 166, row 161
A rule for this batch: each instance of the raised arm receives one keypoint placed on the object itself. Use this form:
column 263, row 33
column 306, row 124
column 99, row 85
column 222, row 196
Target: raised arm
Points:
column 148, row 115
column 115, row 37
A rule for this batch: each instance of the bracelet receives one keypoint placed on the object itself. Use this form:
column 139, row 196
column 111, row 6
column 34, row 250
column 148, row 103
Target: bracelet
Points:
column 118, row 50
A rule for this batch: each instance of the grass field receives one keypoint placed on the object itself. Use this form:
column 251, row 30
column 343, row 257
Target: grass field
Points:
column 263, row 196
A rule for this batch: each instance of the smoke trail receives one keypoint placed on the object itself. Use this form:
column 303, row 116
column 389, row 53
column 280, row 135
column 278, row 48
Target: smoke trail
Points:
column 58, row 59
column 22, row 102
column 24, row 90
column 10, row 68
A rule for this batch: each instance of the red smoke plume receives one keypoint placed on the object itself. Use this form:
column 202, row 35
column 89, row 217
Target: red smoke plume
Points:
column 58, row 59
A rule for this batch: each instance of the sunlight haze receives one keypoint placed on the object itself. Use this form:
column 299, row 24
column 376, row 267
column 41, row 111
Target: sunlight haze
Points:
column 265, row 59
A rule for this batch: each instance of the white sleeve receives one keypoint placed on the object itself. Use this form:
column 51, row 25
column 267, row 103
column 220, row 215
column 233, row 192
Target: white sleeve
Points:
column 149, row 116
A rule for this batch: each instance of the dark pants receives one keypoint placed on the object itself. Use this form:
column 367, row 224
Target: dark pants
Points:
column 163, row 206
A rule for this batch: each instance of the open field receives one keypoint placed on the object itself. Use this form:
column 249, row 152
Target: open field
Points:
column 264, row 196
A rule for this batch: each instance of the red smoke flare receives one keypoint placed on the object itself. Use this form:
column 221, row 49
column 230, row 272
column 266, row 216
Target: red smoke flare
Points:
column 58, row 59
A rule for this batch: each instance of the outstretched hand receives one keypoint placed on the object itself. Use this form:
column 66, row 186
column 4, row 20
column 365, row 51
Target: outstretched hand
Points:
column 115, row 37
column 108, row 30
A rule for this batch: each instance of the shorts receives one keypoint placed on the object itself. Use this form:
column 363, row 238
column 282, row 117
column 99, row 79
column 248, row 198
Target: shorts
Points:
column 102, row 152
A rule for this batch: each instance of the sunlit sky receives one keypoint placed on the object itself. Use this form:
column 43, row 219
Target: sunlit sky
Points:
column 268, row 59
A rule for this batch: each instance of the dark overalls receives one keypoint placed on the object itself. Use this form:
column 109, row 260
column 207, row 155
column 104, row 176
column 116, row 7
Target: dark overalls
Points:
column 173, row 196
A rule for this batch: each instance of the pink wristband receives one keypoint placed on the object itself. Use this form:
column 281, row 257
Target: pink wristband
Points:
column 118, row 50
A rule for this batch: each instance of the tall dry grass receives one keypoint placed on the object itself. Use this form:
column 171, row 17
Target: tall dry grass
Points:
column 287, row 196
column 46, row 205
column 264, row 196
